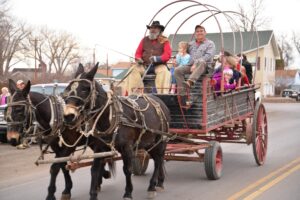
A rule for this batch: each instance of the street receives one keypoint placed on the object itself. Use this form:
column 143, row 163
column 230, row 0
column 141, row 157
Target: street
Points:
column 242, row 179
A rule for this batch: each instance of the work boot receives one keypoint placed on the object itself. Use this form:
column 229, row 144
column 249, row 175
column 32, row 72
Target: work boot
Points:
column 189, row 83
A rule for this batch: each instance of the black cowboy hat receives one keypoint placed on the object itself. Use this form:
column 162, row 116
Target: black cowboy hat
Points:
column 156, row 24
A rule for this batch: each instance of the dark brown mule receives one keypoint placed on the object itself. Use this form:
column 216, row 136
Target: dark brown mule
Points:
column 24, row 107
column 123, row 123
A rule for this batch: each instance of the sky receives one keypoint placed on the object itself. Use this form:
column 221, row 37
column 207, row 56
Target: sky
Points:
column 121, row 24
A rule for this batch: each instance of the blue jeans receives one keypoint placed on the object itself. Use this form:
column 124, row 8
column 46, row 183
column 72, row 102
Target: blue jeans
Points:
column 173, row 80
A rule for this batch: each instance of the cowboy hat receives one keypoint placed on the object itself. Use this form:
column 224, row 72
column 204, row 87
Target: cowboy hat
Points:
column 156, row 24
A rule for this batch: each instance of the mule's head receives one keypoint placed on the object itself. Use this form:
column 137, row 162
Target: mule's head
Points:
column 17, row 112
column 78, row 94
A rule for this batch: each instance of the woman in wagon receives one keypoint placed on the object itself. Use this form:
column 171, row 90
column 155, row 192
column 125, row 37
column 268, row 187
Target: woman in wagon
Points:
column 153, row 51
column 247, row 65
column 202, row 51
column 182, row 59
column 243, row 71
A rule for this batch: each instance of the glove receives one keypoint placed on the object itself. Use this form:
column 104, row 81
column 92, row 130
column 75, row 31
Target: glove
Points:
column 139, row 61
column 155, row 59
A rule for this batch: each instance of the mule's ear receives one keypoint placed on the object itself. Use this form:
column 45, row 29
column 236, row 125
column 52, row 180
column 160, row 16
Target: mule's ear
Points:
column 12, row 86
column 90, row 75
column 80, row 70
column 26, row 89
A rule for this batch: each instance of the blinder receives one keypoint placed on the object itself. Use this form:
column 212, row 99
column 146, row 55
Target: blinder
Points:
column 73, row 94
column 22, row 124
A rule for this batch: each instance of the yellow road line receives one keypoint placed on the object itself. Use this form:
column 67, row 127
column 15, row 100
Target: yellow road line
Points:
column 262, row 180
column 272, row 183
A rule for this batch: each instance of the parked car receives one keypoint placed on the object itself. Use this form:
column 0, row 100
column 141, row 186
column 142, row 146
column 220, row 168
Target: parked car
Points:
column 47, row 89
column 290, row 93
column 3, row 125
column 298, row 97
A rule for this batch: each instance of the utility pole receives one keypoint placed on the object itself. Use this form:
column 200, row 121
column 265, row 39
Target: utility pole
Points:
column 35, row 68
column 107, row 64
column 94, row 56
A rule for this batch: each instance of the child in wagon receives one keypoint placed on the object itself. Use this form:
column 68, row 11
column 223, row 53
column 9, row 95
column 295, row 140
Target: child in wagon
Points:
column 182, row 59
column 228, row 75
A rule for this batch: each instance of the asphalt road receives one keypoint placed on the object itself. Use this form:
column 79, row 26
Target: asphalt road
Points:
column 242, row 179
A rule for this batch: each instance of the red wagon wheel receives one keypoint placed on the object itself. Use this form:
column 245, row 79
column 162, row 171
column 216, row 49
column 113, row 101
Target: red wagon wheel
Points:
column 213, row 161
column 260, row 134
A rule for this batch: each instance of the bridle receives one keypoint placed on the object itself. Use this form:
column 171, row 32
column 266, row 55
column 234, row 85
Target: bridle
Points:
column 85, row 101
column 27, row 109
column 29, row 124
column 88, row 104
column 28, row 114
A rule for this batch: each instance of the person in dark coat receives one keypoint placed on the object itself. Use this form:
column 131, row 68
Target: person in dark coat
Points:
column 248, row 67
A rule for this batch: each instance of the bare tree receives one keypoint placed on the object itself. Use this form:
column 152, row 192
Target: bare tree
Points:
column 253, row 17
column 12, row 35
column 58, row 49
column 63, row 50
column 296, row 41
column 286, row 50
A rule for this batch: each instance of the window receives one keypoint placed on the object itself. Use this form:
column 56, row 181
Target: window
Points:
column 271, row 65
column 258, row 64
column 266, row 67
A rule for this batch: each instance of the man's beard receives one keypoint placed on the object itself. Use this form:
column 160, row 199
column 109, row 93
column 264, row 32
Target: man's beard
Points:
column 153, row 36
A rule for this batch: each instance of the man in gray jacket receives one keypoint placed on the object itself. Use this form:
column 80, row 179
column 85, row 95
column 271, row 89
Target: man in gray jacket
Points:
column 202, row 52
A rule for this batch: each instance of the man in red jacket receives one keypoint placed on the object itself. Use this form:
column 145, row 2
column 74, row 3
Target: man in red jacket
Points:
column 154, row 50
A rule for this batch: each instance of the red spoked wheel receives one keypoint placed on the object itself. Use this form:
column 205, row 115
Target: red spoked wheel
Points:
column 213, row 161
column 260, row 134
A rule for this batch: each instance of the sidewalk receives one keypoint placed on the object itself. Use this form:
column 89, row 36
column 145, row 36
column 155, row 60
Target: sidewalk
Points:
column 279, row 100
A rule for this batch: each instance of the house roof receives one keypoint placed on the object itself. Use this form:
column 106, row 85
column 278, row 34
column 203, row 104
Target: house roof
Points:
column 99, row 75
column 249, row 40
column 118, row 77
column 121, row 65
column 121, row 75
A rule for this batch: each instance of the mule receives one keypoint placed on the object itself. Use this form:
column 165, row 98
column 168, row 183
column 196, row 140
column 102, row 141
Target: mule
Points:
column 24, row 107
column 127, row 124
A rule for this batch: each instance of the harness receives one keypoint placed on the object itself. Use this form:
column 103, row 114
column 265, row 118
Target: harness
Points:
column 31, row 126
column 87, row 125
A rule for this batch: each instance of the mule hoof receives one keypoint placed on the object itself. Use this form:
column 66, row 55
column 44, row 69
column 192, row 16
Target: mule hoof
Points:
column 65, row 197
column 151, row 195
column 50, row 198
column 106, row 175
column 99, row 189
column 160, row 189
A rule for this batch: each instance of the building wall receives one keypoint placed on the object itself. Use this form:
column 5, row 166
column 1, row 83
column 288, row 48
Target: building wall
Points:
column 269, row 71
column 265, row 73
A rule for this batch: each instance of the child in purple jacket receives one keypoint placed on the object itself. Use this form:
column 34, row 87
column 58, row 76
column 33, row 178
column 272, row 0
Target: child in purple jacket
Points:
column 217, row 77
